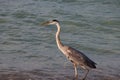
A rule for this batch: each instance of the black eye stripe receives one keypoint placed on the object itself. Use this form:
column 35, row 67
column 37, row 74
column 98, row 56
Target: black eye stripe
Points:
column 55, row 20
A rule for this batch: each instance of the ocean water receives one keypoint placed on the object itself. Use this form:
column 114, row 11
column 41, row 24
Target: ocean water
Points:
column 27, row 48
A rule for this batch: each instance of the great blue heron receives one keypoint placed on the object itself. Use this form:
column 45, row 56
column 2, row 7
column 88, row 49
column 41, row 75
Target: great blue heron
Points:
column 75, row 56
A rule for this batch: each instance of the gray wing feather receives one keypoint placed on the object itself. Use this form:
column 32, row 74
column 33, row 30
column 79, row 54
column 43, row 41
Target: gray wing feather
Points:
column 80, row 58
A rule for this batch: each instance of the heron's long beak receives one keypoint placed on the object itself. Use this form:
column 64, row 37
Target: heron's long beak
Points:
column 45, row 23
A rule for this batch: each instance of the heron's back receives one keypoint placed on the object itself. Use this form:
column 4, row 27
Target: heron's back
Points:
column 79, row 58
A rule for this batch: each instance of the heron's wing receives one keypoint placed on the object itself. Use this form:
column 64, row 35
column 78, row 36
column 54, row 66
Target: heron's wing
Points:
column 75, row 55
column 79, row 58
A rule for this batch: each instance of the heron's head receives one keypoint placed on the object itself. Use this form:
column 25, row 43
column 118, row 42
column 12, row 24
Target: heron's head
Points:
column 51, row 22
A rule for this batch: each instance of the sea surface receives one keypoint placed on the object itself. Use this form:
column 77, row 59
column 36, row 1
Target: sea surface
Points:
column 28, row 51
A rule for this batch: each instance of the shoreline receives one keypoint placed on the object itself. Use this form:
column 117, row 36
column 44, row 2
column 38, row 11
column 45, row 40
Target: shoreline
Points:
column 47, row 75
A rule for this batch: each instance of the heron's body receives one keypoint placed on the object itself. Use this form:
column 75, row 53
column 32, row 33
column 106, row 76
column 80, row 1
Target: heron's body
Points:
column 75, row 56
column 78, row 58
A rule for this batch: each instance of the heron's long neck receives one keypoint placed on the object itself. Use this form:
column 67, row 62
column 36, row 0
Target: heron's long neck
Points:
column 59, row 43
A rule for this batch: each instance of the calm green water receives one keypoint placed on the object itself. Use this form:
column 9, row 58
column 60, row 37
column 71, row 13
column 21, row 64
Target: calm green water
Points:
column 92, row 26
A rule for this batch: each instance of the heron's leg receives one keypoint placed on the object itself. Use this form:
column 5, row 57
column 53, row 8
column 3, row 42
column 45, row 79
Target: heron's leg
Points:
column 76, row 73
column 86, row 74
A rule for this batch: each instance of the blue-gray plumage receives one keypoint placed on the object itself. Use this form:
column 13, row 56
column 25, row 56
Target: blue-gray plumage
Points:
column 75, row 56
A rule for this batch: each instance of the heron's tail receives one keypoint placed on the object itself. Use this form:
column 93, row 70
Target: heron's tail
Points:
column 91, row 64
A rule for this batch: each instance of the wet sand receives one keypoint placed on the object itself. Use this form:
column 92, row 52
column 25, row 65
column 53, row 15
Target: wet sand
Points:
column 47, row 75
